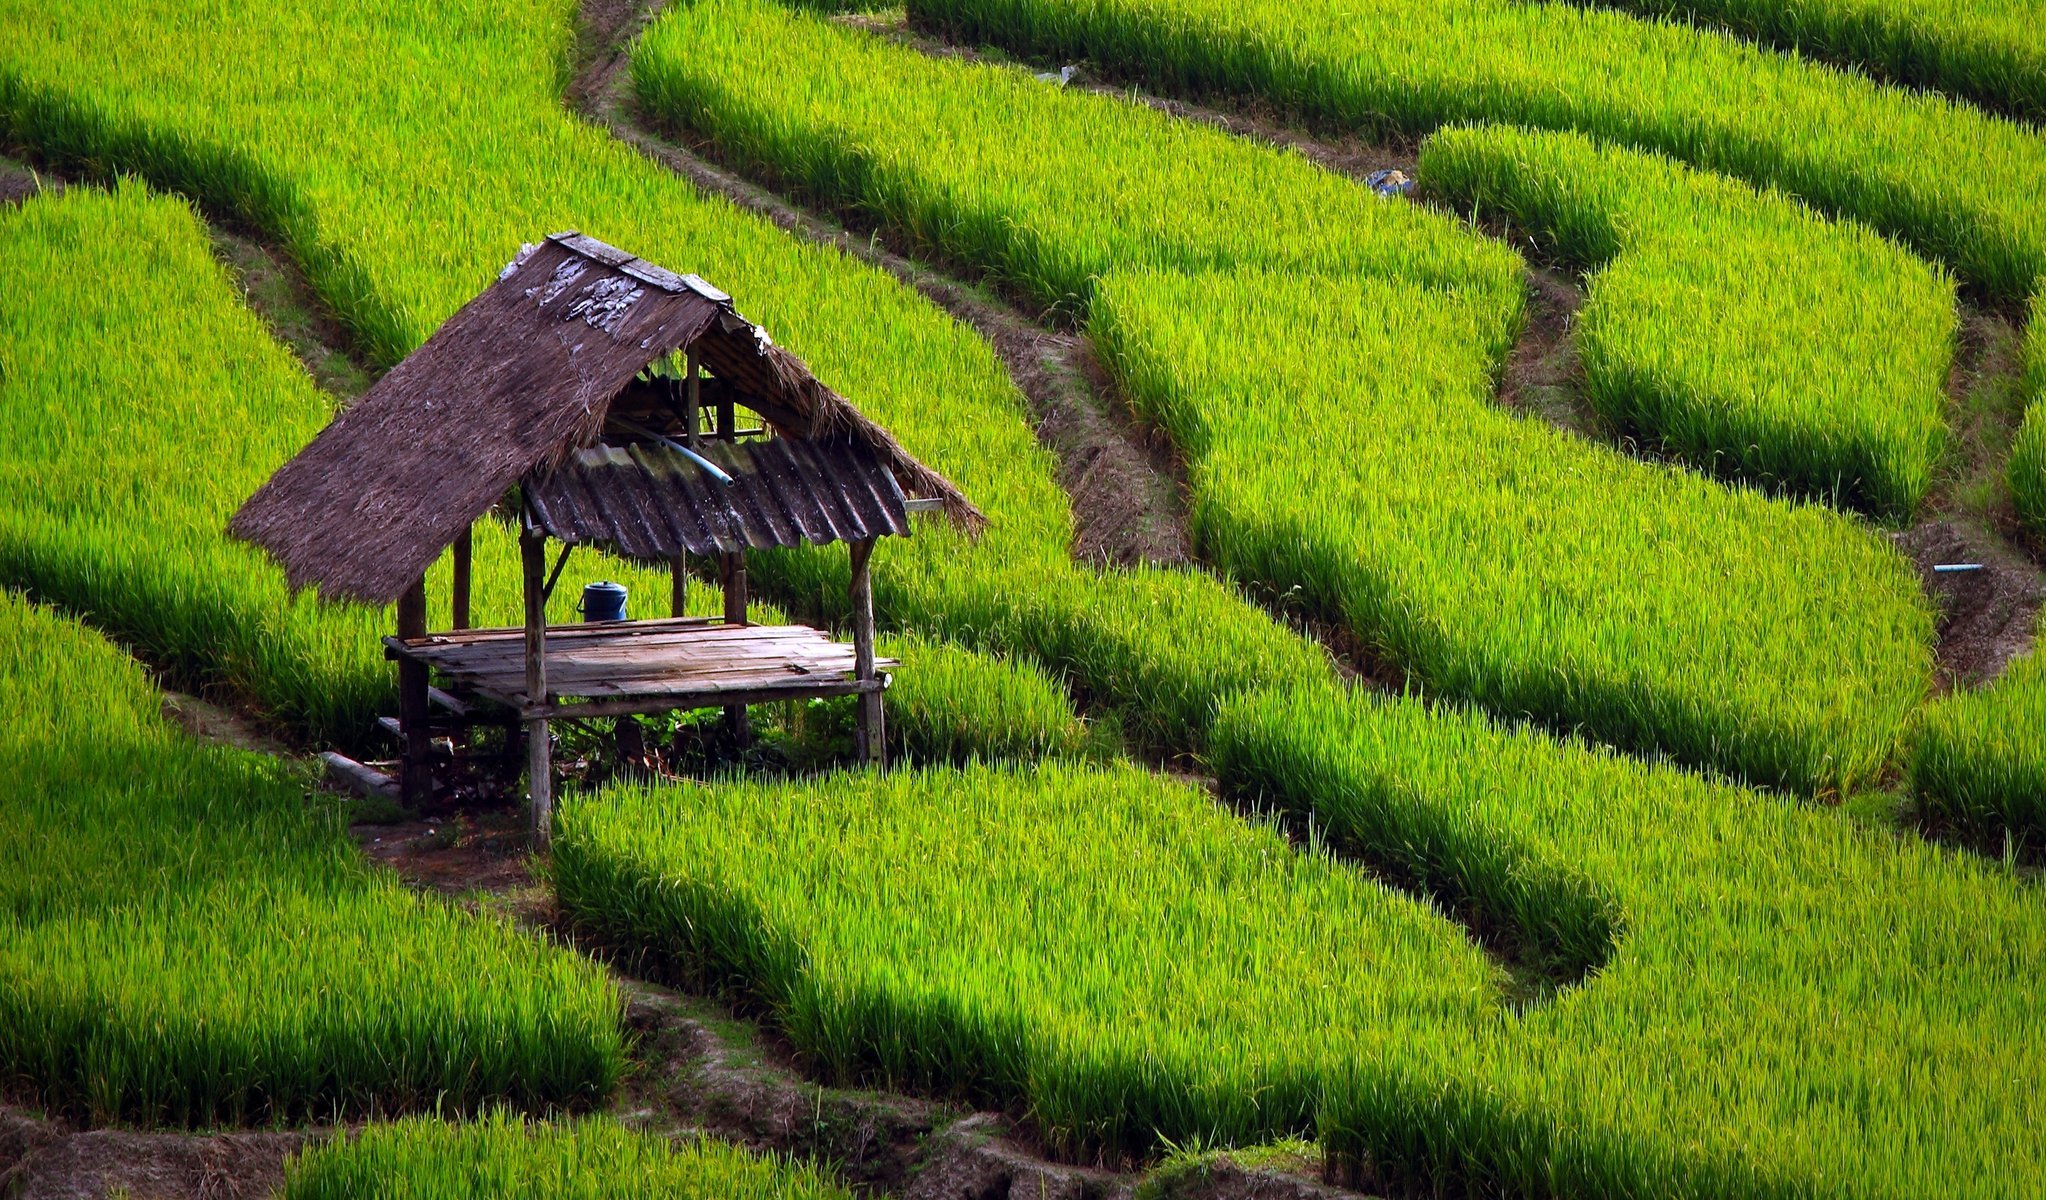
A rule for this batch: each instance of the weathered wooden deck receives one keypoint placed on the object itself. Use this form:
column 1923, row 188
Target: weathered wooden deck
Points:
column 621, row 667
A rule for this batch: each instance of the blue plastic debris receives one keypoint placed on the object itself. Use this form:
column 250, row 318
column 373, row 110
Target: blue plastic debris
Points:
column 1389, row 182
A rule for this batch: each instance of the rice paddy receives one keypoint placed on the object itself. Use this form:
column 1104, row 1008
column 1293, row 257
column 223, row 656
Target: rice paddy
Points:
column 1488, row 556
column 1730, row 328
column 184, row 942
column 500, row 1157
column 1843, row 143
column 1988, row 51
column 1133, row 963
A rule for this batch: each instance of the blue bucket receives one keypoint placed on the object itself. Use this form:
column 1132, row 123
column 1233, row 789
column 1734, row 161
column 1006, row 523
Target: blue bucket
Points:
column 603, row 601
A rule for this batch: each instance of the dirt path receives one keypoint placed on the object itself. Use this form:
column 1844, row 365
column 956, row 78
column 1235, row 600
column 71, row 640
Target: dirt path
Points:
column 51, row 1160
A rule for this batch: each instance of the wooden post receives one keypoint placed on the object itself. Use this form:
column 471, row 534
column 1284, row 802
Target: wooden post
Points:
column 539, row 758
column 679, row 584
column 871, row 738
column 732, row 575
column 728, row 417
column 458, row 592
column 692, row 394
column 415, row 774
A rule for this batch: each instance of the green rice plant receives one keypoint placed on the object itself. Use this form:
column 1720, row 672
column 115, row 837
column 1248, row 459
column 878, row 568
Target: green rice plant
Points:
column 2027, row 467
column 184, row 942
column 1073, row 187
column 499, row 1157
column 405, row 163
column 1501, row 561
column 1492, row 557
column 1108, row 947
column 1979, row 761
column 1780, row 999
column 950, row 704
column 1730, row 327
column 1840, row 142
column 1990, row 51
column 1797, row 1005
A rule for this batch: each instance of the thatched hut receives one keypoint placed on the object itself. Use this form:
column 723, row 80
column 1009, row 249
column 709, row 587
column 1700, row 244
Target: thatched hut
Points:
column 540, row 398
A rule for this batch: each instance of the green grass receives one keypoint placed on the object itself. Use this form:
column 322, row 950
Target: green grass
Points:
column 949, row 704
column 502, row 1158
column 186, row 940
column 1979, row 762
column 1491, row 557
column 405, row 163
column 1780, row 1002
column 2028, row 454
column 1501, row 561
column 1990, row 51
column 1727, row 326
column 1840, row 142
column 1797, row 1005
column 1111, row 949
column 1072, row 188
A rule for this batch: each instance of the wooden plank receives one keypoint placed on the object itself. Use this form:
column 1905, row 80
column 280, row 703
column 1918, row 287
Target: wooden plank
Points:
column 515, row 633
column 364, row 781
column 443, row 700
column 658, row 704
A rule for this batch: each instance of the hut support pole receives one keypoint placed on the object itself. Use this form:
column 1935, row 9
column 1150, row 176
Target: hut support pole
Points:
column 539, row 759
column 692, row 396
column 732, row 575
column 458, row 592
column 678, row 601
column 415, row 775
column 871, row 735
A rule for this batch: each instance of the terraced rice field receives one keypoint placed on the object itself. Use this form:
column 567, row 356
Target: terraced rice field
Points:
column 1569, row 796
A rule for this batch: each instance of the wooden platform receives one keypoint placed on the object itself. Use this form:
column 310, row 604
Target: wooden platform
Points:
column 619, row 667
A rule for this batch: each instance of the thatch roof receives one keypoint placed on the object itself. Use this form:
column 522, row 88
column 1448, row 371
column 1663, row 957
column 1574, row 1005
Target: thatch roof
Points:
column 524, row 374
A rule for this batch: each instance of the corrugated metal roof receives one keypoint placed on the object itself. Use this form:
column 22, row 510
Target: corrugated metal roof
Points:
column 650, row 501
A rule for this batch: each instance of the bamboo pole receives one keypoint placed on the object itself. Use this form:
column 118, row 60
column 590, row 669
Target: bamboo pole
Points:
column 871, row 736
column 692, row 395
column 539, row 758
column 458, row 595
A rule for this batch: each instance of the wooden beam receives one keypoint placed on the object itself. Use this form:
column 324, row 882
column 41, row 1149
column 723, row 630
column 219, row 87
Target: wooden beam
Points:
column 728, row 416
column 539, row 758
column 458, row 593
column 415, row 775
column 871, row 738
column 678, row 570
column 685, row 702
column 692, row 396
column 363, row 781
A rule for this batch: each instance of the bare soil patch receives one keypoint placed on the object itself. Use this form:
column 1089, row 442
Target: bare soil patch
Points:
column 50, row 1160
column 18, row 183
